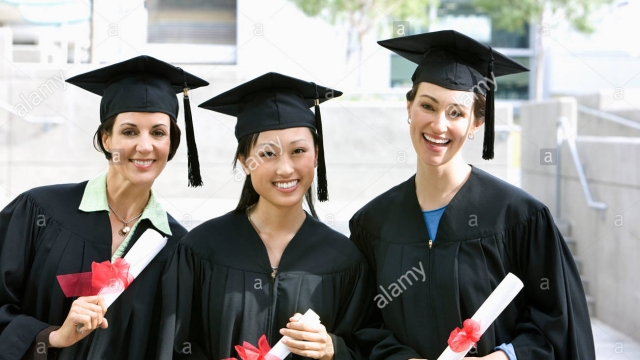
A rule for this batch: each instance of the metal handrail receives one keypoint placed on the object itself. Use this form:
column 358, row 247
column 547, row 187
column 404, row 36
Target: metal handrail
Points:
column 608, row 116
column 571, row 141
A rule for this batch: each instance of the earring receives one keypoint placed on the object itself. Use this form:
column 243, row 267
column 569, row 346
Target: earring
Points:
column 471, row 136
column 408, row 120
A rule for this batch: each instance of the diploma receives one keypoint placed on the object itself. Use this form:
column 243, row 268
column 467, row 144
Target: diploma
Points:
column 139, row 256
column 488, row 312
column 280, row 350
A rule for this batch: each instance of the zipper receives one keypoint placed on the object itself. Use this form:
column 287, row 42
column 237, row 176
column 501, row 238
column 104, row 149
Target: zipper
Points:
column 430, row 244
column 272, row 307
column 430, row 300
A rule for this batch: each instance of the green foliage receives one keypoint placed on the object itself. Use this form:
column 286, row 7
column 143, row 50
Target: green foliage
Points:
column 512, row 15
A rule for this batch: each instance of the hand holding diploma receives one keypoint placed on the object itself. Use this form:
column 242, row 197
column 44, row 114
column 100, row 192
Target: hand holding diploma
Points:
column 101, row 287
column 462, row 340
column 307, row 339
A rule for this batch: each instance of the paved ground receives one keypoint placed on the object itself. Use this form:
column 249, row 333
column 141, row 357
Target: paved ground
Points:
column 612, row 344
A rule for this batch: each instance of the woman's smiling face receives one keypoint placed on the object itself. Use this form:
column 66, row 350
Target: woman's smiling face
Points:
column 441, row 120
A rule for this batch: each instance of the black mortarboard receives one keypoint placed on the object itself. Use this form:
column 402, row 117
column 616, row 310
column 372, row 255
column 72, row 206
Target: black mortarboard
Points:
column 274, row 101
column 145, row 84
column 455, row 61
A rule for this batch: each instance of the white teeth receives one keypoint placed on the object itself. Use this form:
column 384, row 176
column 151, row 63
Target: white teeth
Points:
column 444, row 141
column 286, row 185
column 143, row 163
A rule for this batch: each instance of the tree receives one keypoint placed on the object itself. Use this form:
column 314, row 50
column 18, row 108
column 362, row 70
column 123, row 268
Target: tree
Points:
column 512, row 15
column 362, row 16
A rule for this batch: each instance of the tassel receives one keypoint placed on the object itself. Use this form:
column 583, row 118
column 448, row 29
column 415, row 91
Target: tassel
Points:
column 193, row 163
column 323, row 192
column 489, row 121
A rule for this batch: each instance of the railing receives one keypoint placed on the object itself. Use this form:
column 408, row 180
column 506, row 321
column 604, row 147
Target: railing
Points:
column 563, row 123
column 610, row 117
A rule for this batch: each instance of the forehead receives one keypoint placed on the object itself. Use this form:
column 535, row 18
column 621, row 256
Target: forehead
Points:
column 141, row 118
column 285, row 136
column 444, row 95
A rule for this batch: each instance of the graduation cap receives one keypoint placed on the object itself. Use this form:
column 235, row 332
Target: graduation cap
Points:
column 145, row 84
column 455, row 61
column 274, row 101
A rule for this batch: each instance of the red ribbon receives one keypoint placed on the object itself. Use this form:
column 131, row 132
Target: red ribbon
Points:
column 105, row 278
column 462, row 339
column 250, row 352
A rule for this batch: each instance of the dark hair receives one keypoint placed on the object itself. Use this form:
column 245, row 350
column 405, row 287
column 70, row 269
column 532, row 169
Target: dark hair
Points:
column 106, row 128
column 478, row 107
column 249, row 195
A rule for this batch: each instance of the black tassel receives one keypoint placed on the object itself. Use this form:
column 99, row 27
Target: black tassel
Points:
column 323, row 192
column 193, row 163
column 489, row 121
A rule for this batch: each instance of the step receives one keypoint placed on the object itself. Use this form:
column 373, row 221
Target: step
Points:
column 591, row 304
column 572, row 244
column 564, row 227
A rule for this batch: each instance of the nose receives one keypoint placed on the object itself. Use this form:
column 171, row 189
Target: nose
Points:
column 285, row 166
column 439, row 124
column 145, row 144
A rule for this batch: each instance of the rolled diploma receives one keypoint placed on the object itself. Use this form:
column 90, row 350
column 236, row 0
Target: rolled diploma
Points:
column 489, row 311
column 280, row 350
column 142, row 252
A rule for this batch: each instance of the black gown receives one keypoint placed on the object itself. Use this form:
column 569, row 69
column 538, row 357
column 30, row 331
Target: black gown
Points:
column 489, row 228
column 224, row 294
column 42, row 235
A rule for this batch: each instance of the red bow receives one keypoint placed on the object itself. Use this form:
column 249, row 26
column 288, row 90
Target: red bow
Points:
column 104, row 278
column 250, row 352
column 462, row 339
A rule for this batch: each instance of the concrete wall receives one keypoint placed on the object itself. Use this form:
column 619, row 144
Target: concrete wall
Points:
column 608, row 242
column 368, row 148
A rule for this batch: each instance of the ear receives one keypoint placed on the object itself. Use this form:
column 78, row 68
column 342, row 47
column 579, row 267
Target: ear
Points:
column 315, row 163
column 106, row 141
column 243, row 162
column 477, row 124
column 409, row 109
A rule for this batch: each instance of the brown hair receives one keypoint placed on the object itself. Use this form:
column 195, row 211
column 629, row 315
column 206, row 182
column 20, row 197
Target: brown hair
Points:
column 478, row 106
column 249, row 195
column 106, row 128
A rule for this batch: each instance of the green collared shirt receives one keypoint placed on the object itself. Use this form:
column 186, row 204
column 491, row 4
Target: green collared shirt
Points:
column 95, row 199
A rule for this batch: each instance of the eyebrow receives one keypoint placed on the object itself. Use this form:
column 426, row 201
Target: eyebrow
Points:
column 134, row 125
column 436, row 101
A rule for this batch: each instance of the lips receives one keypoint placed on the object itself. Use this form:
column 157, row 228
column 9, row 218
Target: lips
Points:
column 436, row 141
column 286, row 184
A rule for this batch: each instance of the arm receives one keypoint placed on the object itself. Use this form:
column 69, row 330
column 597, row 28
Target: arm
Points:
column 374, row 340
column 555, row 323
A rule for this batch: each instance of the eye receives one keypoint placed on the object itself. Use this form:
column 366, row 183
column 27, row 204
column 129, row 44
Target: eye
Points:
column 159, row 133
column 455, row 113
column 427, row 106
column 267, row 154
column 299, row 151
column 128, row 132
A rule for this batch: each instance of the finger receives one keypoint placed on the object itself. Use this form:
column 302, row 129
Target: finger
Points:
column 82, row 319
column 304, row 345
column 305, row 353
column 92, row 315
column 105, row 323
column 303, row 335
column 102, row 304
column 295, row 317
column 301, row 326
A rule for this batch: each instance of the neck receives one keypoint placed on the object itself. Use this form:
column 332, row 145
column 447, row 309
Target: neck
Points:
column 274, row 219
column 437, row 185
column 127, row 199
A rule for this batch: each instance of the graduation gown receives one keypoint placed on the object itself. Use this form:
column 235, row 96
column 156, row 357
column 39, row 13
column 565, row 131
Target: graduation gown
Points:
column 222, row 293
column 42, row 235
column 489, row 228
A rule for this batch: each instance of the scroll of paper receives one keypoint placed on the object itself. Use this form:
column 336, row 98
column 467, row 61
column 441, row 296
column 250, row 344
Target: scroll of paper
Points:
column 483, row 318
column 280, row 350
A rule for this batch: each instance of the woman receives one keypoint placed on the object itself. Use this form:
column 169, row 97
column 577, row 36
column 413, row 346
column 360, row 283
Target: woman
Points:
column 61, row 229
column 443, row 240
column 253, row 271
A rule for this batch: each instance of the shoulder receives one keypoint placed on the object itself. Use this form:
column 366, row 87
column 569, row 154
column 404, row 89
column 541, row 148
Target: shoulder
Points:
column 502, row 199
column 56, row 198
column 376, row 211
column 214, row 233
column 177, row 230
column 343, row 250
